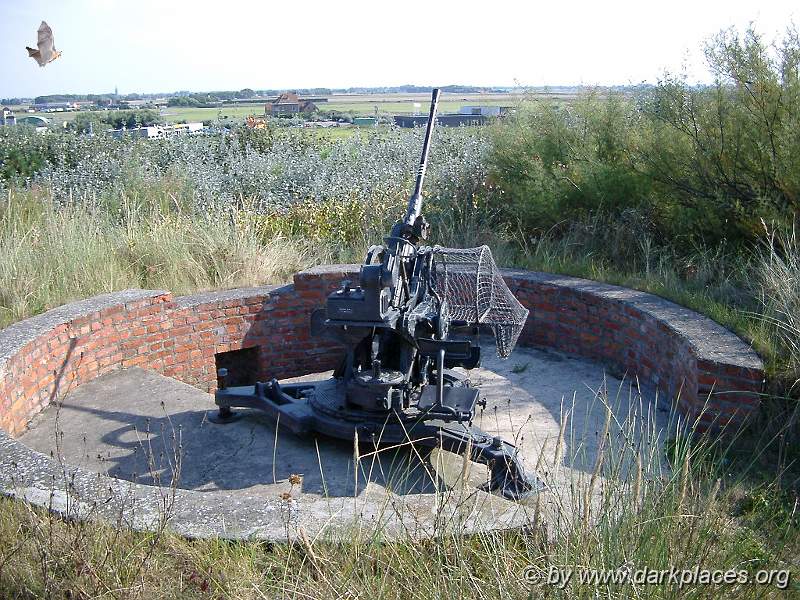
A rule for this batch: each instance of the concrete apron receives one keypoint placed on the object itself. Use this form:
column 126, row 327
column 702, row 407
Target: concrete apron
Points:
column 136, row 447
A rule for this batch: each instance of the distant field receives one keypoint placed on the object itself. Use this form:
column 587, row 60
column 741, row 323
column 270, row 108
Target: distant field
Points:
column 356, row 105
column 407, row 107
column 236, row 112
column 388, row 104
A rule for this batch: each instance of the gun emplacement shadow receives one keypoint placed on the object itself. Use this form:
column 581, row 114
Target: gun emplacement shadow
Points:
column 203, row 456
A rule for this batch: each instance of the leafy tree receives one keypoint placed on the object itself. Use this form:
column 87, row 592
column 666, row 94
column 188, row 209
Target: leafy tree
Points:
column 182, row 101
column 84, row 122
column 729, row 153
column 132, row 118
column 696, row 164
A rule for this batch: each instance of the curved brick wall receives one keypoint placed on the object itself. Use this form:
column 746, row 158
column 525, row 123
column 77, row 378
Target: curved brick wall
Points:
column 633, row 332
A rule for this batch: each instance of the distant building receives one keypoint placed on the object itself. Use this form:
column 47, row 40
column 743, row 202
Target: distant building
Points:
column 151, row 132
column 55, row 106
column 288, row 104
column 324, row 124
column 454, row 120
column 160, row 131
column 489, row 111
column 189, row 128
column 7, row 117
column 33, row 120
column 365, row 121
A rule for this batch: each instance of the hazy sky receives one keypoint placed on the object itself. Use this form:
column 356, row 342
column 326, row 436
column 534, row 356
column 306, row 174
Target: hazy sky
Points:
column 158, row 46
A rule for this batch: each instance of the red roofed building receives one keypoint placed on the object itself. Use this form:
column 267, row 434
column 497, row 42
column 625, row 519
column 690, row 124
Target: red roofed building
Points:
column 288, row 104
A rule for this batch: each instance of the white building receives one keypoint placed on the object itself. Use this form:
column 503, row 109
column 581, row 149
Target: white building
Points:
column 145, row 132
column 187, row 128
column 7, row 117
column 160, row 131
column 486, row 111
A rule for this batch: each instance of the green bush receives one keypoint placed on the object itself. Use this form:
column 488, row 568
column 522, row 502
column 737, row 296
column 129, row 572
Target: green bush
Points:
column 726, row 155
column 557, row 161
column 703, row 164
column 18, row 162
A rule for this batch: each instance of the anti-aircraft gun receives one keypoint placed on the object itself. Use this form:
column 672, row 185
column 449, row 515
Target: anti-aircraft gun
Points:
column 414, row 315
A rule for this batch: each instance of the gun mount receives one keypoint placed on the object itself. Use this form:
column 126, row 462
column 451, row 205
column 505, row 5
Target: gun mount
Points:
column 414, row 315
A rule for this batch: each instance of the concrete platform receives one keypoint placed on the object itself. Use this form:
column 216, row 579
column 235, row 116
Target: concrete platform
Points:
column 140, row 426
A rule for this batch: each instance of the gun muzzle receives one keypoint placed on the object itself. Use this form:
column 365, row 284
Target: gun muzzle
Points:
column 415, row 202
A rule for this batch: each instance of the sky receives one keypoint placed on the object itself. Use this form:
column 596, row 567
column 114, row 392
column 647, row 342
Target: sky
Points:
column 166, row 46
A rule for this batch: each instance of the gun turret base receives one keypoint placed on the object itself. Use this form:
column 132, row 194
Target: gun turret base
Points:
column 219, row 417
column 321, row 407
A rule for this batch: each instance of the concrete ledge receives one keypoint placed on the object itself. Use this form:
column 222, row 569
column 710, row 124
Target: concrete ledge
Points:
column 79, row 494
column 715, row 374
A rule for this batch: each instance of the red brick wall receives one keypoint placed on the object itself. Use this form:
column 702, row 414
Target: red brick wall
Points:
column 643, row 336
column 48, row 355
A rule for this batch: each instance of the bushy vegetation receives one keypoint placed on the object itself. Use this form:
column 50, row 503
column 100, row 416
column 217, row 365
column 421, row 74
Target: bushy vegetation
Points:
column 82, row 215
column 689, row 192
column 95, row 122
column 700, row 165
column 269, row 170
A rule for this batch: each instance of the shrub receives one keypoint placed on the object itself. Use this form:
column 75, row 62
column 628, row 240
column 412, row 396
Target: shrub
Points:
column 727, row 155
column 702, row 164
column 558, row 161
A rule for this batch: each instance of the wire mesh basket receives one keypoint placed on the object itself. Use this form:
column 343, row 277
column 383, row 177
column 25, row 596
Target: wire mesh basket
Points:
column 470, row 284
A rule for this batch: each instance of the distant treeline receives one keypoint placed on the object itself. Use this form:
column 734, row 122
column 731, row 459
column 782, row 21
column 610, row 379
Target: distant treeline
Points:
column 208, row 99
column 417, row 89
column 319, row 91
column 78, row 98
column 85, row 122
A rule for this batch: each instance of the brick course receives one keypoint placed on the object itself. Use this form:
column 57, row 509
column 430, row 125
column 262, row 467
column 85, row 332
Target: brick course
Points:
column 636, row 334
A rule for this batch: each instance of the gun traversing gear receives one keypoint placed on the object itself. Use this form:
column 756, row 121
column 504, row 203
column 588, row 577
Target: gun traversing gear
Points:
column 414, row 314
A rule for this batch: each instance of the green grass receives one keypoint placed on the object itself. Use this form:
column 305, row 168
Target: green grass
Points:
column 236, row 112
column 54, row 255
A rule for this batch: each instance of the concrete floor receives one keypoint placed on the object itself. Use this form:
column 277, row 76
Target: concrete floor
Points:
column 138, row 425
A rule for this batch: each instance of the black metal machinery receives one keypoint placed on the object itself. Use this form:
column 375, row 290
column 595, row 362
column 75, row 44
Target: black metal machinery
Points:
column 414, row 314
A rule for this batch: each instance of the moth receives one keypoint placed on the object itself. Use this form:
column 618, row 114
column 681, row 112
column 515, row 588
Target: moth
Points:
column 46, row 52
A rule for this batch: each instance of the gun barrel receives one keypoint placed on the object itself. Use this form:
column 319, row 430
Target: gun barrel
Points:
column 415, row 202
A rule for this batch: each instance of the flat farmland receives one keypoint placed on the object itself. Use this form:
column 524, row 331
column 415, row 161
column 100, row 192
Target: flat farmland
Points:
column 355, row 105
column 235, row 112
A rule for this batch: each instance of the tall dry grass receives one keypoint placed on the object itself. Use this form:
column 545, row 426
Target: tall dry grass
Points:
column 779, row 294
column 52, row 255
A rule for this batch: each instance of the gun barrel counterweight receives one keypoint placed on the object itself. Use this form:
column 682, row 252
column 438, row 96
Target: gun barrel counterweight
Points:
column 415, row 202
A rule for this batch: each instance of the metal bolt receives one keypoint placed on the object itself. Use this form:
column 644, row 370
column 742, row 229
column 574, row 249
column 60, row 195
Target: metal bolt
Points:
column 222, row 375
